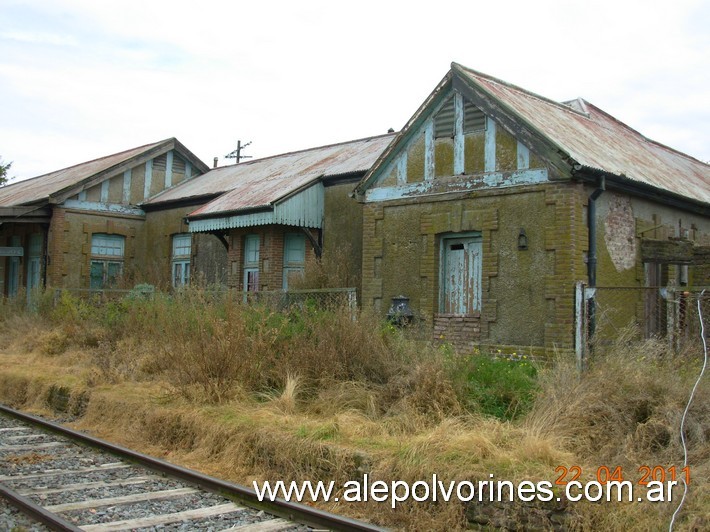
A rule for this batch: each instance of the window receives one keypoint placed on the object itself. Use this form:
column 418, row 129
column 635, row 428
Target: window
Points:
column 444, row 120
column 251, row 263
column 106, row 260
column 182, row 248
column 473, row 119
column 294, row 256
column 460, row 283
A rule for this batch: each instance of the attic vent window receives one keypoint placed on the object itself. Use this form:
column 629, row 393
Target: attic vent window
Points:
column 444, row 120
column 473, row 118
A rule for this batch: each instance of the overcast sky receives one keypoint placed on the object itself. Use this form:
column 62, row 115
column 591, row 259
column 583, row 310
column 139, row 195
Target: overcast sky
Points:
column 81, row 79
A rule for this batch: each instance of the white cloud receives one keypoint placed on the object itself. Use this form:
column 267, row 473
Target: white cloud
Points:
column 96, row 77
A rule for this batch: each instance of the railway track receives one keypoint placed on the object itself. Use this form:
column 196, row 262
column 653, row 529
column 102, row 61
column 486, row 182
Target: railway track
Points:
column 70, row 481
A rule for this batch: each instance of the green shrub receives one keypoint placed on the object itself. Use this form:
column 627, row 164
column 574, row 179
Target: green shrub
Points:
column 502, row 387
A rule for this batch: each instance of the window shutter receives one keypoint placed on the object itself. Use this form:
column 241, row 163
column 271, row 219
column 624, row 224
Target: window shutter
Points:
column 473, row 118
column 444, row 120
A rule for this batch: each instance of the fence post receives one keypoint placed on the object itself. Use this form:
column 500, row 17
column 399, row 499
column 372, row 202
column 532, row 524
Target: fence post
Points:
column 672, row 319
column 352, row 303
column 580, row 325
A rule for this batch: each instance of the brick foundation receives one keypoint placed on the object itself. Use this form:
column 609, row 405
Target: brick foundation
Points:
column 463, row 333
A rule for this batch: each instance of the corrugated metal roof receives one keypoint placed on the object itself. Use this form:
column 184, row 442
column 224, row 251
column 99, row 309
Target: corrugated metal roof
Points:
column 263, row 182
column 597, row 140
column 39, row 189
column 303, row 209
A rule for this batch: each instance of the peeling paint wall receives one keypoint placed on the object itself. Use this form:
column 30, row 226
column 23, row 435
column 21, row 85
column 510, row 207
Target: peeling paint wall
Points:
column 162, row 172
column 506, row 151
column 485, row 158
column 624, row 221
column 415, row 160
column 620, row 232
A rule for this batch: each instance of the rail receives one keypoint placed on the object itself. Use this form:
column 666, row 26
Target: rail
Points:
column 299, row 513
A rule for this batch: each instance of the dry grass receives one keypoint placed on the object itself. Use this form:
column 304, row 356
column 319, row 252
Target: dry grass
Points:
column 334, row 270
column 253, row 394
column 626, row 411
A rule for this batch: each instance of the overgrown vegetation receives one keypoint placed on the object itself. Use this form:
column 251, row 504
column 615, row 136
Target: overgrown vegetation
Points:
column 309, row 393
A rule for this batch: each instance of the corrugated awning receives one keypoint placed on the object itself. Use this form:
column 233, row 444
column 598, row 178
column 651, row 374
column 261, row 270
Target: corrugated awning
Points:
column 303, row 209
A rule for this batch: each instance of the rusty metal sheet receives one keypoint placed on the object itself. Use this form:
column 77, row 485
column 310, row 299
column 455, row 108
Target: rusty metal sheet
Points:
column 39, row 188
column 597, row 140
column 262, row 182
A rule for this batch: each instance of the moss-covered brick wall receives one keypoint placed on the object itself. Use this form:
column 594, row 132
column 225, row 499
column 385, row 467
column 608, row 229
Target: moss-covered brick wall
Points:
column 527, row 295
column 209, row 256
column 209, row 260
column 474, row 159
column 69, row 245
column 342, row 226
column 148, row 246
column 443, row 157
column 626, row 226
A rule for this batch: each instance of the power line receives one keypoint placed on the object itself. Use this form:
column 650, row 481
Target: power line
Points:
column 237, row 154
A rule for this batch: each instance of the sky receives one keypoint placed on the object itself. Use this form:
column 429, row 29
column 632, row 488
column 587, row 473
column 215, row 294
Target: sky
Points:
column 80, row 79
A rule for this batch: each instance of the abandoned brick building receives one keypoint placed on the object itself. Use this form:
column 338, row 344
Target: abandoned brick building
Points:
column 158, row 214
column 82, row 226
column 479, row 211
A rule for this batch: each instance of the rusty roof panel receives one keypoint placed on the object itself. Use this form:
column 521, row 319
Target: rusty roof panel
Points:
column 262, row 182
column 597, row 140
column 39, row 189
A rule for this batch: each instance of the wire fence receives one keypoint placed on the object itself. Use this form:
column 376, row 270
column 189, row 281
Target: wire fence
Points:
column 326, row 298
column 603, row 314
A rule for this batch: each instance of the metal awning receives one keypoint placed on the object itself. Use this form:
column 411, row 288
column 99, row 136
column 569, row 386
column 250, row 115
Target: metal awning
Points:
column 303, row 209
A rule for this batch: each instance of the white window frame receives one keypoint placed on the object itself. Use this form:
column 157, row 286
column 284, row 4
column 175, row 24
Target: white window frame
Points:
column 181, row 256
column 107, row 251
column 252, row 244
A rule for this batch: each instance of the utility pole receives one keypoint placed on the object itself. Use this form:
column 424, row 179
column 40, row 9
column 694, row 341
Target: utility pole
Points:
column 237, row 154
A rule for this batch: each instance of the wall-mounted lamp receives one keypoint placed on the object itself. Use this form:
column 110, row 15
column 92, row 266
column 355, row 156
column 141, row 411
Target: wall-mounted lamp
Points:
column 522, row 240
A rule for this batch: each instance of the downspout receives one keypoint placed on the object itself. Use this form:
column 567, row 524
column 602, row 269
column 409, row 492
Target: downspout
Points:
column 592, row 258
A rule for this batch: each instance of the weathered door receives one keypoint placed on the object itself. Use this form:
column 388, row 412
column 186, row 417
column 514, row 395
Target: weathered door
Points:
column 461, row 279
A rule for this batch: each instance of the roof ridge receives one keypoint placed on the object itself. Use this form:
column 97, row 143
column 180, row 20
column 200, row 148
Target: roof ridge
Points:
column 90, row 161
column 304, row 150
column 522, row 90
